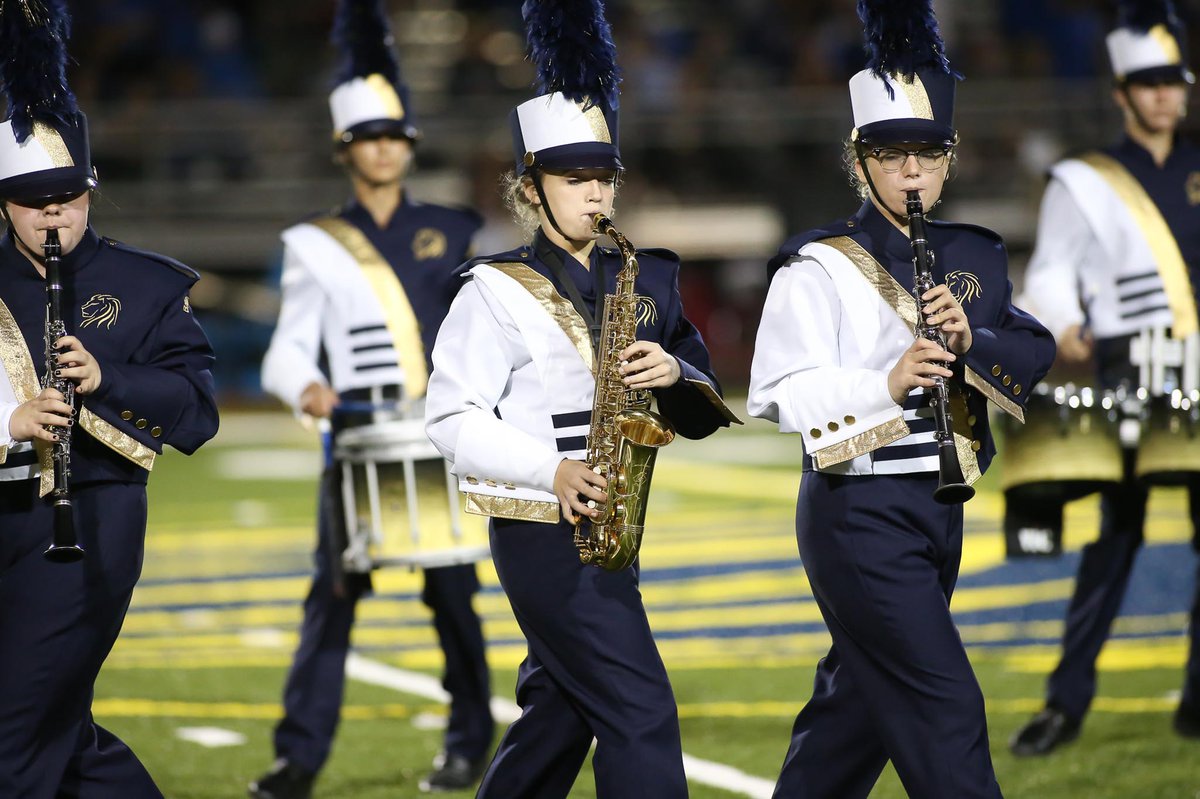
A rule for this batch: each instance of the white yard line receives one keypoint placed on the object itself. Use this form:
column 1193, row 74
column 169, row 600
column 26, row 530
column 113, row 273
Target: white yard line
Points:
column 703, row 772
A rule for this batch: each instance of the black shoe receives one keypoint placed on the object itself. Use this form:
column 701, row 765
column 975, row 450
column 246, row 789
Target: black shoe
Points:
column 452, row 773
column 1044, row 732
column 1187, row 721
column 283, row 781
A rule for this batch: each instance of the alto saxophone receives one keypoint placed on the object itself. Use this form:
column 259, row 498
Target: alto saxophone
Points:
column 625, row 434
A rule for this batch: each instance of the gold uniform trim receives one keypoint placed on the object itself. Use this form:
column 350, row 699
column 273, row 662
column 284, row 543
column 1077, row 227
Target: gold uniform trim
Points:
column 905, row 306
column 964, row 438
column 1161, row 35
column 559, row 308
column 114, row 439
column 994, row 394
column 1172, row 269
column 18, row 365
column 525, row 510
column 868, row 441
column 53, row 144
column 398, row 314
column 595, row 117
column 918, row 97
column 713, row 397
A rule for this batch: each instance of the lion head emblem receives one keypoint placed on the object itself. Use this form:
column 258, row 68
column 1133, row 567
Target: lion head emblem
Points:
column 647, row 311
column 964, row 286
column 101, row 310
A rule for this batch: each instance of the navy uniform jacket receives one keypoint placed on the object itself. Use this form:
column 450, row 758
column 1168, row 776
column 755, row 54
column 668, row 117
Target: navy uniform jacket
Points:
column 131, row 311
column 1010, row 349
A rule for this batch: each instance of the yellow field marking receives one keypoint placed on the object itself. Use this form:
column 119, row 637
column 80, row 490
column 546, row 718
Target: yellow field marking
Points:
column 1168, row 652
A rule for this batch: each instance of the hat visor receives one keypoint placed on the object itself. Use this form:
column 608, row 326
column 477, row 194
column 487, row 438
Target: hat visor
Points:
column 1153, row 76
column 46, row 184
column 374, row 128
column 921, row 131
column 586, row 155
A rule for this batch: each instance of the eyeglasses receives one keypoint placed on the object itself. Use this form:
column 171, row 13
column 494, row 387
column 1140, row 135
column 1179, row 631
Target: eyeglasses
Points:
column 892, row 159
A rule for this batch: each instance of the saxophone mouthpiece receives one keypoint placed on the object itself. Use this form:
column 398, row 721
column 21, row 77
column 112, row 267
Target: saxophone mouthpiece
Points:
column 601, row 224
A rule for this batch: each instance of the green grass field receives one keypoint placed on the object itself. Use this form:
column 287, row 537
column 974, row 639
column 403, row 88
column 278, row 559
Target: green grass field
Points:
column 212, row 627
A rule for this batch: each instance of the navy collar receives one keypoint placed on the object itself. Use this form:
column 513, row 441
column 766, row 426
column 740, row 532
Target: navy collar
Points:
column 886, row 238
column 73, row 261
column 356, row 212
column 1134, row 153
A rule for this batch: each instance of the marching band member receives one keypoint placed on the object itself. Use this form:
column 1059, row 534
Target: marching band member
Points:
column 509, row 405
column 138, row 366
column 1118, row 251
column 365, row 289
column 835, row 361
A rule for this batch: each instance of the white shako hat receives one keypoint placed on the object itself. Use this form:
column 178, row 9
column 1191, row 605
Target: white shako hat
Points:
column 369, row 98
column 1148, row 44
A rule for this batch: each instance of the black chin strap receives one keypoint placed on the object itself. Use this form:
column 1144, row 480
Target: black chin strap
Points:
column 536, row 176
column 13, row 229
column 862, row 163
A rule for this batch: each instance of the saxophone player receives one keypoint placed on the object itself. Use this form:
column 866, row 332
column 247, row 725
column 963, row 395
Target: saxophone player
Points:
column 509, row 405
column 835, row 360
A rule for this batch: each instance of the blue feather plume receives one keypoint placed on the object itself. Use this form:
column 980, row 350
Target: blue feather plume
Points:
column 33, row 64
column 1142, row 15
column 363, row 36
column 571, row 45
column 902, row 38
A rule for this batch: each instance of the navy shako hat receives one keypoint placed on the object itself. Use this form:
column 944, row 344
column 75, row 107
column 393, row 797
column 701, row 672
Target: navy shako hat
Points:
column 572, row 124
column 44, row 150
column 369, row 98
column 906, row 93
column 1149, row 44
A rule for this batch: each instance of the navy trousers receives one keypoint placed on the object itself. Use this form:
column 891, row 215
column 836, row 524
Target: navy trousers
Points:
column 1099, row 589
column 882, row 558
column 593, row 671
column 58, row 623
column 312, row 697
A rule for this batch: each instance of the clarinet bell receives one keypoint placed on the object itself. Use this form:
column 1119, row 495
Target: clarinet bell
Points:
column 64, row 548
column 952, row 488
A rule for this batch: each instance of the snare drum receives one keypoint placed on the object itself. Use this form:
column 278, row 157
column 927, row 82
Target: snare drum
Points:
column 1069, row 446
column 401, row 502
column 1169, row 451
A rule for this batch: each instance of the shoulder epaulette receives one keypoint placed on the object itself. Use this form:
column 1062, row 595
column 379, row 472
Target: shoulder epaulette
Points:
column 182, row 269
column 660, row 252
column 792, row 246
column 985, row 232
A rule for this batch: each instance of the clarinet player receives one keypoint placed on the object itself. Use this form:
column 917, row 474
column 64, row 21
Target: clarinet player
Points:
column 835, row 360
column 138, row 366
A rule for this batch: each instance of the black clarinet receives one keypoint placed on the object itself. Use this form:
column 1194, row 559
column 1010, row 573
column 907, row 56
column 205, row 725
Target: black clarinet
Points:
column 952, row 488
column 64, row 548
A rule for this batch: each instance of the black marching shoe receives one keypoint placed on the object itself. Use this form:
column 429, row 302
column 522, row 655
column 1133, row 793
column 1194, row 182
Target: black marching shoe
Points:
column 1187, row 721
column 452, row 773
column 1043, row 733
column 283, row 781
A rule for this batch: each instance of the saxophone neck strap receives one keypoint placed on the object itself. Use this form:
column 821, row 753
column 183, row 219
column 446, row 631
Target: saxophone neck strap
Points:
column 548, row 254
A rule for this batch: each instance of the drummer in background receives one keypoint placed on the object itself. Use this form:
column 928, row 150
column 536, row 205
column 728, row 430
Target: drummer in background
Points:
column 365, row 290
column 510, row 403
column 1118, row 251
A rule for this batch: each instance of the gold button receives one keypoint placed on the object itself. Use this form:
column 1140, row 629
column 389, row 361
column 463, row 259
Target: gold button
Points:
column 975, row 445
column 490, row 483
column 510, row 486
column 1017, row 388
column 848, row 419
column 156, row 431
column 127, row 415
column 833, row 426
column 996, row 370
column 472, row 480
column 1007, row 379
column 815, row 433
column 971, row 420
column 140, row 424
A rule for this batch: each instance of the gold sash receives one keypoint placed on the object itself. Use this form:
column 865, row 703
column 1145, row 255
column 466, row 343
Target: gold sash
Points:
column 1172, row 269
column 18, row 363
column 401, row 322
column 558, row 307
column 905, row 306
